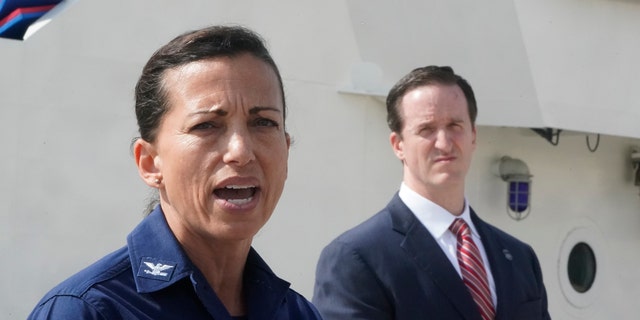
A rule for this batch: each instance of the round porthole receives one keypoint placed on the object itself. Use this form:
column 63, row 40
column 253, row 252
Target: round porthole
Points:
column 581, row 267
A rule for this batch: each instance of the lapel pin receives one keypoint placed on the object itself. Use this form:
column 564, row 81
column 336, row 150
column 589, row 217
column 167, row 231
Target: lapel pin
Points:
column 507, row 254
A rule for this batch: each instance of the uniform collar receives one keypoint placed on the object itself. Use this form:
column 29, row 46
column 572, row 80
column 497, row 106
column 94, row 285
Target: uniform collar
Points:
column 265, row 291
column 157, row 259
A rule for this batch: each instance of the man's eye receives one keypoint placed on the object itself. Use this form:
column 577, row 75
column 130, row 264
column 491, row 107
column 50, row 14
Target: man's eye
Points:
column 426, row 131
column 264, row 122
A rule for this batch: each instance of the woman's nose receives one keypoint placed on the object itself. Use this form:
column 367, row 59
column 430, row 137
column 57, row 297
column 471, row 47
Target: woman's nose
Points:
column 239, row 149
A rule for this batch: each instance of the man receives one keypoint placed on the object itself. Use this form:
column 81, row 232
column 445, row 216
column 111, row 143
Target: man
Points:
column 410, row 260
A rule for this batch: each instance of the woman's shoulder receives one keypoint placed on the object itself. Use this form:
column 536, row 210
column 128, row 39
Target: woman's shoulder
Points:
column 73, row 295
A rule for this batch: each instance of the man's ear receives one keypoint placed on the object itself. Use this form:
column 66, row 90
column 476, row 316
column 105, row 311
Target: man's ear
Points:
column 475, row 134
column 397, row 145
column 145, row 154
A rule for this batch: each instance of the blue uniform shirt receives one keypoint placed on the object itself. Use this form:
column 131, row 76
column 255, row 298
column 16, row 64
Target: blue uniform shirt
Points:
column 152, row 278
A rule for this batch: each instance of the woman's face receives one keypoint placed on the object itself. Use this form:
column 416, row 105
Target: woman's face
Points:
column 221, row 149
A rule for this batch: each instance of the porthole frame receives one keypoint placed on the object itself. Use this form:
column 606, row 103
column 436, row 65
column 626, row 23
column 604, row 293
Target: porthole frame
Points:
column 592, row 237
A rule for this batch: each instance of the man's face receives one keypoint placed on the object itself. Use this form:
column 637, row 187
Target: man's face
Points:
column 437, row 139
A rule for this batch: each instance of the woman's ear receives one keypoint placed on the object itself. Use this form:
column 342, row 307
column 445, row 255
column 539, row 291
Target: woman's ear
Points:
column 144, row 154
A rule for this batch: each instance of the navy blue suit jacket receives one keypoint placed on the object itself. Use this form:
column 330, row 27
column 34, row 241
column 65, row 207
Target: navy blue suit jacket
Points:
column 390, row 267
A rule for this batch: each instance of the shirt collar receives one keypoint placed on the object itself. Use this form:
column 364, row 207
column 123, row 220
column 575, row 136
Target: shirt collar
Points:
column 157, row 259
column 265, row 291
column 432, row 216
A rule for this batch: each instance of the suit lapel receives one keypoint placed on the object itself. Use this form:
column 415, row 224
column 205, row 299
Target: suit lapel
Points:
column 501, row 266
column 428, row 256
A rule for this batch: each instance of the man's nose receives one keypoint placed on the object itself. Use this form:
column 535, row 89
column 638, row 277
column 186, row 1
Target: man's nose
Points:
column 443, row 140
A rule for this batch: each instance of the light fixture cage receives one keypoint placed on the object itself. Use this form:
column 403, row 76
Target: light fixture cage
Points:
column 519, row 198
column 516, row 173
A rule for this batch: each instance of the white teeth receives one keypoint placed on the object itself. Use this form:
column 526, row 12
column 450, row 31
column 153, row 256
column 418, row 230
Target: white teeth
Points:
column 240, row 201
column 239, row 187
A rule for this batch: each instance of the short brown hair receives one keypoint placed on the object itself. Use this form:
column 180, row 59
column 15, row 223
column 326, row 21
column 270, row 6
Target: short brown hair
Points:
column 421, row 77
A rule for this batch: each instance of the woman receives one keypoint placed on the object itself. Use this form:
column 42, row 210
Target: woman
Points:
column 211, row 114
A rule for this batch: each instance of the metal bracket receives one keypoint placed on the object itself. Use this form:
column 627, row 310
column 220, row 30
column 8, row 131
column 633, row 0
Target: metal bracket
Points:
column 549, row 134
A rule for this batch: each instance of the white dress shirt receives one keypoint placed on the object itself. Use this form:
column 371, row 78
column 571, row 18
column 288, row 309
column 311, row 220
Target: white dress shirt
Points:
column 437, row 220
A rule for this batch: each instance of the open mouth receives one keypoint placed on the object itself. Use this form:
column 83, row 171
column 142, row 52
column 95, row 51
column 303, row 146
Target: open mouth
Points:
column 237, row 195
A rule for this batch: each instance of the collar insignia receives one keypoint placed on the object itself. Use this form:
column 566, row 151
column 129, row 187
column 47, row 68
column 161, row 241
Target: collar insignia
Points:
column 156, row 269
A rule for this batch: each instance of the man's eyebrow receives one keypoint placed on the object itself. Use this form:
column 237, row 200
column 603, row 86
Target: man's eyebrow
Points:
column 258, row 109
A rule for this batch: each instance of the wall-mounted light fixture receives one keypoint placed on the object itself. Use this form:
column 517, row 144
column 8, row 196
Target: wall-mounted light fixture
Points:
column 516, row 173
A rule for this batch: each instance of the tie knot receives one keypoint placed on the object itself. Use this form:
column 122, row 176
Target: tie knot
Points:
column 460, row 228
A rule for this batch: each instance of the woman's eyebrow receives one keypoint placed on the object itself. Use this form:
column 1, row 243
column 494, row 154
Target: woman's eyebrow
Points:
column 258, row 109
column 214, row 109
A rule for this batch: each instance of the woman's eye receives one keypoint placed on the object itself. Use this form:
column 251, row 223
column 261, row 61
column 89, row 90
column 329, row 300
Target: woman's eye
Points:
column 264, row 122
column 203, row 126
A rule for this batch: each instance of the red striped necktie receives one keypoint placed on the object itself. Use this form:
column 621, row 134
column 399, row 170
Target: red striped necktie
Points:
column 472, row 268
